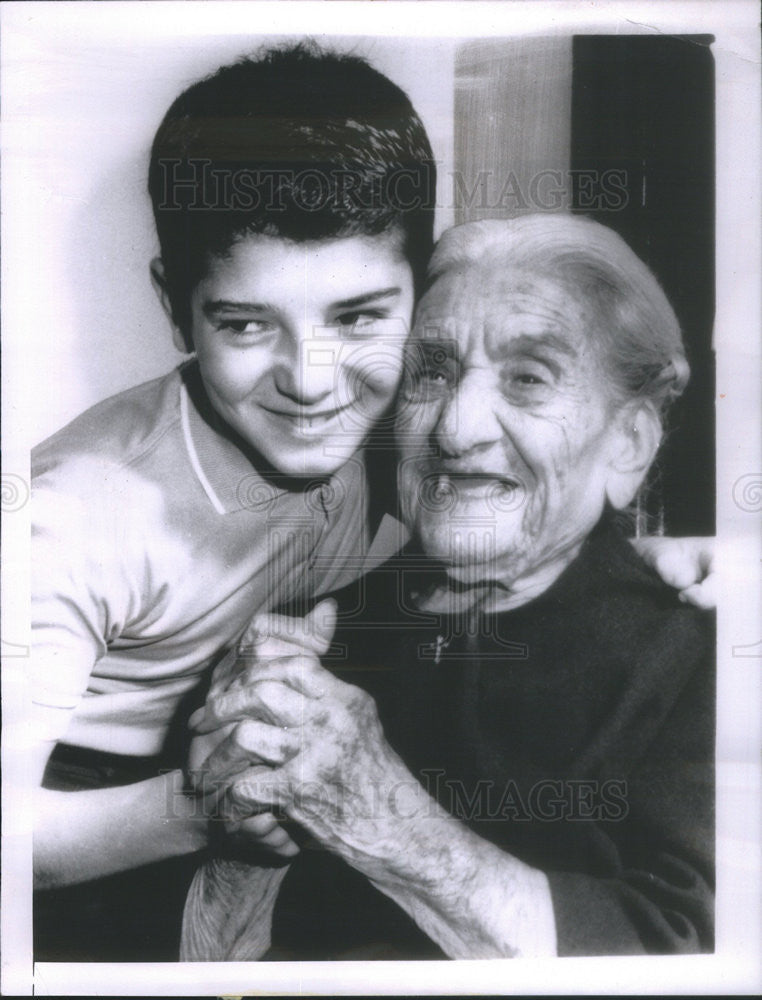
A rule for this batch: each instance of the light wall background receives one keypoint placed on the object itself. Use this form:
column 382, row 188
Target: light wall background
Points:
column 83, row 107
column 80, row 115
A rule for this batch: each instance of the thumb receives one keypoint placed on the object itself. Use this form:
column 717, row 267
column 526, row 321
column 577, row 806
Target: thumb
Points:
column 272, row 635
column 321, row 622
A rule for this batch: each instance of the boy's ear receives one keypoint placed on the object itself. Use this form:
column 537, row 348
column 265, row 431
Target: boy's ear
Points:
column 159, row 282
column 635, row 441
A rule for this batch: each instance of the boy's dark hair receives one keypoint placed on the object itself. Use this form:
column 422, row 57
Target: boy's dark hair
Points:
column 298, row 143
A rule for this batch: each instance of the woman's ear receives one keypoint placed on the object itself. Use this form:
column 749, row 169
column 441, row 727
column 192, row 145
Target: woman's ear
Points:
column 159, row 282
column 636, row 439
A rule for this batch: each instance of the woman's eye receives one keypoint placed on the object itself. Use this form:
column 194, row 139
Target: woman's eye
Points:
column 430, row 374
column 528, row 378
column 527, row 384
column 439, row 376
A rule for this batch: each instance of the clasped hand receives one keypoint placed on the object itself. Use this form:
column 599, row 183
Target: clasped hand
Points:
column 280, row 733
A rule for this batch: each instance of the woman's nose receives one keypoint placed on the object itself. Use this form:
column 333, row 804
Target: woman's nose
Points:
column 307, row 370
column 468, row 421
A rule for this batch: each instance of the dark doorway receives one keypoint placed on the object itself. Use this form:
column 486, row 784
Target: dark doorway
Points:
column 643, row 106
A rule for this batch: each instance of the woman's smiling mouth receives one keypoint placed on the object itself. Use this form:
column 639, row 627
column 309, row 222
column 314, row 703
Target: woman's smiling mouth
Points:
column 491, row 486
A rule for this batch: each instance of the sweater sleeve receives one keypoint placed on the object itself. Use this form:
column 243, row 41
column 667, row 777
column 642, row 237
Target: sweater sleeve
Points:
column 228, row 911
column 660, row 899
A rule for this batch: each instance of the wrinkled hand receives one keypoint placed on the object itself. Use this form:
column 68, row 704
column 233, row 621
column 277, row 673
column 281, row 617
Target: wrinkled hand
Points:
column 688, row 564
column 268, row 637
column 260, row 830
column 310, row 745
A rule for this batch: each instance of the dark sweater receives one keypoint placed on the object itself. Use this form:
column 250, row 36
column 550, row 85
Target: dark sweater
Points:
column 575, row 732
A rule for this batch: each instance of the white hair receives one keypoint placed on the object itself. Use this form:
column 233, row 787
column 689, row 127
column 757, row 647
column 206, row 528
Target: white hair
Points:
column 643, row 346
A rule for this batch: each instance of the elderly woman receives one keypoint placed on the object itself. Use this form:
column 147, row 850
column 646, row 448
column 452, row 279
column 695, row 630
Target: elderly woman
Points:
column 509, row 749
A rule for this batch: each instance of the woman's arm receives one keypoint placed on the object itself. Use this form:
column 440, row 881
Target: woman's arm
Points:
column 320, row 756
column 469, row 896
column 323, row 760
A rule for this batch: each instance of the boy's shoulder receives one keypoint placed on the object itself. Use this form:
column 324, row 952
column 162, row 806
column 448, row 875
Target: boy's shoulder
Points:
column 117, row 430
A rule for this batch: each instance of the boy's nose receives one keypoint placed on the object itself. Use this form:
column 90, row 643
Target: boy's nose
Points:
column 308, row 372
column 468, row 421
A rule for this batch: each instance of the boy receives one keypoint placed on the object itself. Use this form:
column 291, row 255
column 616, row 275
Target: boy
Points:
column 293, row 197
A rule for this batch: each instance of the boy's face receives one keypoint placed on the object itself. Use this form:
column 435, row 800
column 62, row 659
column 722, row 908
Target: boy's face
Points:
column 300, row 345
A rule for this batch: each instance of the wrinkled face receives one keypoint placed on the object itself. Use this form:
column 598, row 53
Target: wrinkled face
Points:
column 300, row 345
column 503, row 424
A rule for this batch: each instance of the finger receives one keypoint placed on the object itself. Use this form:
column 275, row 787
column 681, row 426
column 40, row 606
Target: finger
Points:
column 676, row 573
column 229, row 671
column 260, row 825
column 707, row 556
column 244, row 697
column 643, row 546
column 279, row 842
column 312, row 633
column 257, row 789
column 268, row 700
column 669, row 558
column 251, row 742
column 702, row 595
column 251, row 695
column 280, row 704
column 322, row 623
column 211, row 796
column 272, row 637
column 233, row 810
column 265, row 830
column 244, row 657
column 303, row 673
column 259, row 647
column 225, row 670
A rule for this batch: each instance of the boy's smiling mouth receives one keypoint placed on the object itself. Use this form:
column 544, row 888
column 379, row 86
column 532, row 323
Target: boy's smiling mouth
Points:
column 303, row 421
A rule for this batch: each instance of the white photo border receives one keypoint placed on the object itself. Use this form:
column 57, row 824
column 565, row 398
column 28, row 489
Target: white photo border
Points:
column 736, row 966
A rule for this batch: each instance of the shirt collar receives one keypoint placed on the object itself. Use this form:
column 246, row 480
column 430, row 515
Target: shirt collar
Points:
column 226, row 473
column 232, row 481
column 389, row 539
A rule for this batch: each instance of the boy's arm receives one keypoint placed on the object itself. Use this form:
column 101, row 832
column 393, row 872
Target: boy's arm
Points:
column 89, row 834
column 81, row 594
column 688, row 564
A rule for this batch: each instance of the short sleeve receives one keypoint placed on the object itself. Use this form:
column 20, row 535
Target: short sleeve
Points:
column 80, row 595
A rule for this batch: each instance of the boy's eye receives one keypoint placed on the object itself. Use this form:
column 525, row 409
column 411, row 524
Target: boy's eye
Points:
column 358, row 324
column 245, row 327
